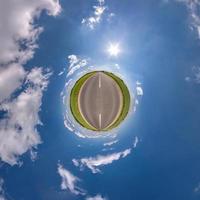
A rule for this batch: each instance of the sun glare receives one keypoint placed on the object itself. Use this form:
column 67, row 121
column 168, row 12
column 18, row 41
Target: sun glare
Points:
column 113, row 49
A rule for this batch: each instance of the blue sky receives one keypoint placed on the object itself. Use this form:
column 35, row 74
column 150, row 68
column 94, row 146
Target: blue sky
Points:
column 45, row 154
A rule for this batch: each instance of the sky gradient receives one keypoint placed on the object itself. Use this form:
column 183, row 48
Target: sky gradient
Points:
column 46, row 45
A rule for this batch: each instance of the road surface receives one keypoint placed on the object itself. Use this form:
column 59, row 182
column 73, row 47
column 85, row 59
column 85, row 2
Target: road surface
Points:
column 100, row 100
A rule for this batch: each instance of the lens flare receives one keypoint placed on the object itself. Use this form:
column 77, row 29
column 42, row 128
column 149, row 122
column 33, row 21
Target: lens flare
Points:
column 113, row 49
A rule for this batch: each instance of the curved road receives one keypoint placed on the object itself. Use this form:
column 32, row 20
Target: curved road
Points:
column 100, row 100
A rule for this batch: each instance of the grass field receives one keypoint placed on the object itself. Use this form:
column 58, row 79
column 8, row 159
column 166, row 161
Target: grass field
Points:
column 74, row 101
column 126, row 100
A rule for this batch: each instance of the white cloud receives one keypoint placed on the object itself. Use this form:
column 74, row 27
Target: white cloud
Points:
column 73, row 59
column 37, row 78
column 21, row 91
column 97, row 197
column 93, row 163
column 75, row 63
column 96, row 17
column 2, row 193
column 11, row 78
column 135, row 142
column 69, row 181
column 18, row 131
column 108, row 149
column 110, row 143
column 75, row 162
column 18, row 33
column 139, row 90
column 194, row 76
column 61, row 72
column 33, row 154
column 193, row 6
column 197, row 188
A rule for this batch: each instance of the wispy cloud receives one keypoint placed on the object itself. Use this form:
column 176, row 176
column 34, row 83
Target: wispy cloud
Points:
column 97, row 197
column 110, row 143
column 193, row 6
column 2, row 193
column 61, row 72
column 197, row 188
column 139, row 90
column 194, row 75
column 69, row 181
column 96, row 17
column 93, row 163
column 75, row 63
column 135, row 142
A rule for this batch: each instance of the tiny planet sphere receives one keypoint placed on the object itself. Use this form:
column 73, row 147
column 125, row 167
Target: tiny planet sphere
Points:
column 99, row 101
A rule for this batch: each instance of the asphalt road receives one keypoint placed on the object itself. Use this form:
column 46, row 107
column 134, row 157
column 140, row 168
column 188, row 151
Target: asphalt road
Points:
column 100, row 100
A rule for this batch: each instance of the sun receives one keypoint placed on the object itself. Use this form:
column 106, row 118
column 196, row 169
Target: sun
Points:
column 113, row 49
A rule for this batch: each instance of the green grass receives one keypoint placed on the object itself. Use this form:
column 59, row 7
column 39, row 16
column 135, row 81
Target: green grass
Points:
column 74, row 101
column 126, row 100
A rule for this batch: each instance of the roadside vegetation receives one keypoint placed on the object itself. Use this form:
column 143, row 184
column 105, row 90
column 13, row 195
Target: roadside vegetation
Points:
column 74, row 101
column 126, row 100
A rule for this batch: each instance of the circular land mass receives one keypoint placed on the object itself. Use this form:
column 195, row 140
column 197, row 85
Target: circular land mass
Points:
column 99, row 101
